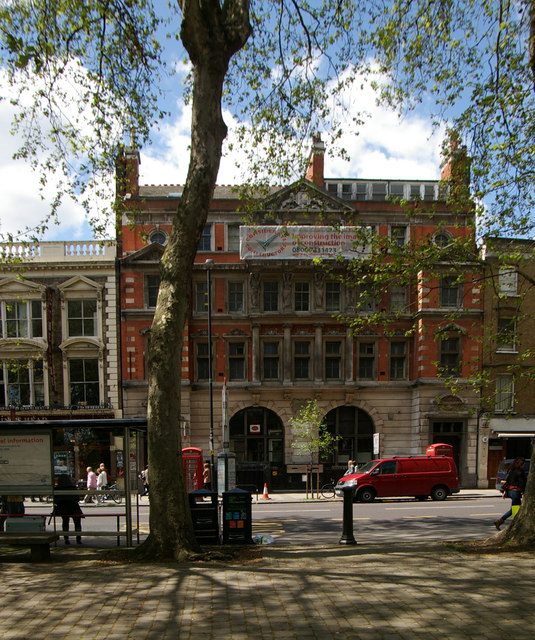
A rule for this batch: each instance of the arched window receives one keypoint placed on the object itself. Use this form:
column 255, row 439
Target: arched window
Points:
column 355, row 428
column 257, row 435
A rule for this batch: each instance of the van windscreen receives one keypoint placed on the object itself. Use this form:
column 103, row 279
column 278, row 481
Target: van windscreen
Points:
column 367, row 467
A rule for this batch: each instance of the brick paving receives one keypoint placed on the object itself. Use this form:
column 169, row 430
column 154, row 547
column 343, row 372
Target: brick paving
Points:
column 368, row 592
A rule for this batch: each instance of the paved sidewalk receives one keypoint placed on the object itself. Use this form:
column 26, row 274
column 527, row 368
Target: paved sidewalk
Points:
column 369, row 592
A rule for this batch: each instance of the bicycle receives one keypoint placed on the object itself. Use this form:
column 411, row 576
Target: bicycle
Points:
column 110, row 493
column 327, row 490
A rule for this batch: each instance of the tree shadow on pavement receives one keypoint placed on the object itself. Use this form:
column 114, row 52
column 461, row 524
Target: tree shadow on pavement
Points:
column 369, row 590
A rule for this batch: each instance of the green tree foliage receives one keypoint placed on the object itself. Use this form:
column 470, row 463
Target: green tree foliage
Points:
column 84, row 74
column 312, row 436
column 473, row 65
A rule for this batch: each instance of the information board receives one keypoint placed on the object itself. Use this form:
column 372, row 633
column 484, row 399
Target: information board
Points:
column 25, row 461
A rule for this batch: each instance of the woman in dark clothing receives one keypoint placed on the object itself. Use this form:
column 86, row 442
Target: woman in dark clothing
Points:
column 515, row 484
column 67, row 507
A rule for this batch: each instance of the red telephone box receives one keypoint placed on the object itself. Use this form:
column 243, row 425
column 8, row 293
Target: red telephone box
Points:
column 192, row 461
column 439, row 449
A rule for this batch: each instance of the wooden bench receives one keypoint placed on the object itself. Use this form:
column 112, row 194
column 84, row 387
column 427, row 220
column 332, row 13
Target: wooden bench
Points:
column 39, row 543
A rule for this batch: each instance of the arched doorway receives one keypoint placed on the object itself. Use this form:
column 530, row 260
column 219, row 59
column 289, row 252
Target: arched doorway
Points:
column 355, row 429
column 257, row 439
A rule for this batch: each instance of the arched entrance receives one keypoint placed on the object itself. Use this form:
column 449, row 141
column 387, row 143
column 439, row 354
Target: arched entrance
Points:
column 355, row 428
column 257, row 439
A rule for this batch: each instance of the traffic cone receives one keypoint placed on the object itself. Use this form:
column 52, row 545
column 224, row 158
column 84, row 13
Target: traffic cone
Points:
column 265, row 494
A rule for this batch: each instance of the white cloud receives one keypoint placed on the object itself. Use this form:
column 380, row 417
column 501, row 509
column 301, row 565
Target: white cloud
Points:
column 22, row 205
column 383, row 147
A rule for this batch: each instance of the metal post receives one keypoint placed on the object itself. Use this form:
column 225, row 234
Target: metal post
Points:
column 347, row 531
column 127, row 494
column 209, row 263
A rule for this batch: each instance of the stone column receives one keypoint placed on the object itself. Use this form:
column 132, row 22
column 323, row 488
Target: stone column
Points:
column 318, row 353
column 348, row 364
column 256, row 355
column 287, row 354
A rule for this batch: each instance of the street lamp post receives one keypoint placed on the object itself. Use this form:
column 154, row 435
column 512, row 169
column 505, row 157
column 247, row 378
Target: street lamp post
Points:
column 209, row 263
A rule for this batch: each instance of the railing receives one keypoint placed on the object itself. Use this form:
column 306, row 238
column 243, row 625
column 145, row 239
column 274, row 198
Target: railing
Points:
column 58, row 251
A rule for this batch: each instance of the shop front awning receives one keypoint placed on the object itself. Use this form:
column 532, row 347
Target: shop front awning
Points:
column 515, row 427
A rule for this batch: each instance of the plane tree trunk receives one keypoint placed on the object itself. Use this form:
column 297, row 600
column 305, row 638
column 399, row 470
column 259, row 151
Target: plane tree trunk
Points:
column 521, row 531
column 211, row 34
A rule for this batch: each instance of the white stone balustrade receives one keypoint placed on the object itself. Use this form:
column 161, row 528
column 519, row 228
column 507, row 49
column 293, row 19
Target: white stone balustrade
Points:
column 83, row 250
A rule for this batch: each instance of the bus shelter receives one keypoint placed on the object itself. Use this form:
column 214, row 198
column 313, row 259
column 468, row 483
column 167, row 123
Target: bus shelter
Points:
column 34, row 453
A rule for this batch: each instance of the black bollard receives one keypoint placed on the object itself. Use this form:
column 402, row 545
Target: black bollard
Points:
column 347, row 531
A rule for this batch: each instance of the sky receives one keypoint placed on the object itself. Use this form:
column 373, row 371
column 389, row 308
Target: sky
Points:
column 384, row 147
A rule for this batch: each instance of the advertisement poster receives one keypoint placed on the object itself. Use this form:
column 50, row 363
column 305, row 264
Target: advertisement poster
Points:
column 25, row 461
column 278, row 242
column 64, row 463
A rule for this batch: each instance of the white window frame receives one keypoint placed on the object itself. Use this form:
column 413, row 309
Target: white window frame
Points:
column 233, row 238
column 81, row 288
column 83, row 318
column 508, row 281
column 74, row 355
column 505, row 393
column 30, row 363
column 502, row 345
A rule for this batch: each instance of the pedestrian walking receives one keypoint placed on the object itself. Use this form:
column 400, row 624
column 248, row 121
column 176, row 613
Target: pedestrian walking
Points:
column 207, row 476
column 144, row 476
column 350, row 468
column 514, row 486
column 91, row 483
column 102, row 483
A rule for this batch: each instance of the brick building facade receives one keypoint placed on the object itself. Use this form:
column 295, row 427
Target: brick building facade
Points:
column 507, row 421
column 276, row 339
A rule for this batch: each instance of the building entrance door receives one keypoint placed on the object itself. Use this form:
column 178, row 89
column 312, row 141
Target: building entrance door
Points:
column 496, row 455
column 450, row 432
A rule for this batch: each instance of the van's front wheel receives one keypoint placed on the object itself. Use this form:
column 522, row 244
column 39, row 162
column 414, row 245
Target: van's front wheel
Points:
column 439, row 493
column 366, row 495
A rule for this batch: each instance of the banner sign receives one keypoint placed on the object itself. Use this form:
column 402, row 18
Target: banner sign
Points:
column 25, row 461
column 283, row 243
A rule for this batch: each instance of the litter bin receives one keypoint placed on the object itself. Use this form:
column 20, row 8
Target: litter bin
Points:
column 203, row 505
column 237, row 517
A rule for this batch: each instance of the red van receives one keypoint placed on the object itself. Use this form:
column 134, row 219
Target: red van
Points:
column 418, row 476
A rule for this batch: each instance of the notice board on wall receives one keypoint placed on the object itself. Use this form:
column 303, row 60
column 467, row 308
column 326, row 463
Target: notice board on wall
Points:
column 25, row 461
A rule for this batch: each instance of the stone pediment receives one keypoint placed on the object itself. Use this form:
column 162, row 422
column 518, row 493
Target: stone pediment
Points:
column 304, row 198
column 19, row 287
column 152, row 253
column 79, row 284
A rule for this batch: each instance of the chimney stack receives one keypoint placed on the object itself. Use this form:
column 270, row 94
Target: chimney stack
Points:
column 314, row 172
